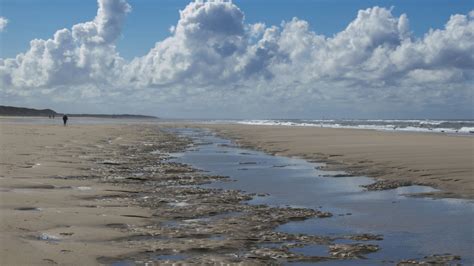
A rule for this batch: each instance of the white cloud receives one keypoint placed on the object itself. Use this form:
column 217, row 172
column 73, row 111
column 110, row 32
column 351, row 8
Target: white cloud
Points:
column 213, row 58
column 3, row 23
column 84, row 54
column 202, row 48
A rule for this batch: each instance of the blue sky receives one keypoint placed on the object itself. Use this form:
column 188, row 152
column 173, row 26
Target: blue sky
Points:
column 150, row 19
column 240, row 59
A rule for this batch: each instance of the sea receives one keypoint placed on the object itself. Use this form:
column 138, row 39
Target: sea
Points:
column 457, row 126
column 465, row 127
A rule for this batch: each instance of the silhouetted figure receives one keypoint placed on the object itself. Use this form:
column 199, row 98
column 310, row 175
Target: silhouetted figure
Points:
column 65, row 119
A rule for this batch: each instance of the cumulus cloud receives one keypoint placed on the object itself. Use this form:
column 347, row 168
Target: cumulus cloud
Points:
column 202, row 48
column 3, row 23
column 83, row 54
column 214, row 57
column 212, row 44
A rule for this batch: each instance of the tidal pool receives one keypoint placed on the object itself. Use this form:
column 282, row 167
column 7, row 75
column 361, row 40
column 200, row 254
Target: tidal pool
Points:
column 412, row 227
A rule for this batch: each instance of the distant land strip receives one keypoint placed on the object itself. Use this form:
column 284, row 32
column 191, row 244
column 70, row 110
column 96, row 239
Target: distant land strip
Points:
column 22, row 111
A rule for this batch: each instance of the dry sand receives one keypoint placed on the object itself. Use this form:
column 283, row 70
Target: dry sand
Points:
column 442, row 161
column 30, row 156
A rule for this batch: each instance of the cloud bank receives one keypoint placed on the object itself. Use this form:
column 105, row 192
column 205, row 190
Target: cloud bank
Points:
column 213, row 59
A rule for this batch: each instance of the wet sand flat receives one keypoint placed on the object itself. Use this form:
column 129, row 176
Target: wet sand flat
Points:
column 45, row 217
column 393, row 214
column 442, row 161
column 104, row 194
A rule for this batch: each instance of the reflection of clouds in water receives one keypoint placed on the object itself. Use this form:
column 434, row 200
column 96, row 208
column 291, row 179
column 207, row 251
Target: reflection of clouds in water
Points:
column 399, row 193
column 412, row 227
column 459, row 202
column 415, row 189
column 346, row 184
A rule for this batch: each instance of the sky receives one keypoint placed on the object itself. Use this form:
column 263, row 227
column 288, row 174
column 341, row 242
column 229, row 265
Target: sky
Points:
column 240, row 59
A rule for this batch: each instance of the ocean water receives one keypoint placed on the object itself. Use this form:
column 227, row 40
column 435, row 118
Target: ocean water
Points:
column 412, row 227
column 462, row 127
column 437, row 126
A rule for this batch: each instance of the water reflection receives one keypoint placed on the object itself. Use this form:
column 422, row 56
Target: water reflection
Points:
column 412, row 227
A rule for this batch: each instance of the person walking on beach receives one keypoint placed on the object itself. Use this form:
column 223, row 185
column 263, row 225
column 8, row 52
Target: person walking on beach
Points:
column 65, row 119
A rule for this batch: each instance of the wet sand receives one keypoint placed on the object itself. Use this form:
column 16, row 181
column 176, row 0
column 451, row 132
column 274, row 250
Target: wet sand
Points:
column 45, row 182
column 99, row 194
column 396, row 159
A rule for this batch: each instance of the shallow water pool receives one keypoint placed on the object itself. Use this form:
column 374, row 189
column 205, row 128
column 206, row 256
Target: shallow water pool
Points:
column 412, row 227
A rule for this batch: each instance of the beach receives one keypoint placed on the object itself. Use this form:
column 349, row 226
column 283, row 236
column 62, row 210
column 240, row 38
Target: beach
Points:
column 443, row 161
column 46, row 168
column 100, row 194
column 220, row 132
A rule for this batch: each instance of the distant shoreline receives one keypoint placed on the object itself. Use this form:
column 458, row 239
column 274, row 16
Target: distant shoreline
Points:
column 13, row 111
column 113, row 116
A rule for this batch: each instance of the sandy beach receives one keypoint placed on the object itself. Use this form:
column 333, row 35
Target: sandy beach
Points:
column 100, row 194
column 220, row 132
column 45, row 187
column 443, row 161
